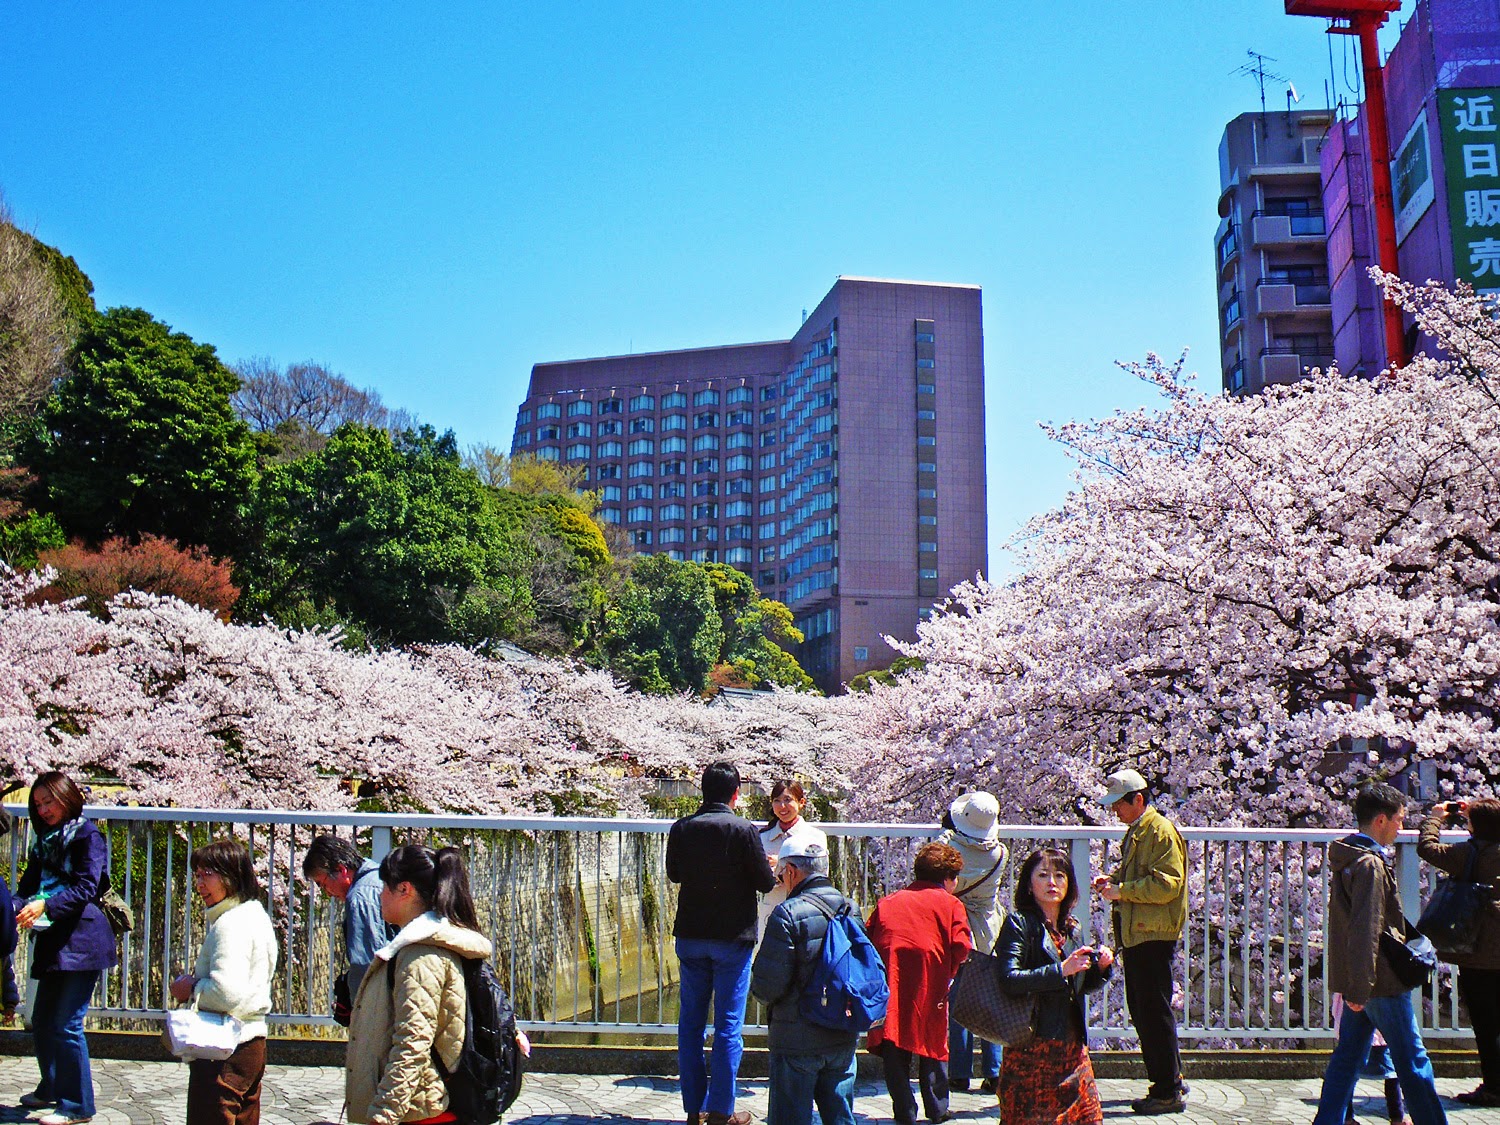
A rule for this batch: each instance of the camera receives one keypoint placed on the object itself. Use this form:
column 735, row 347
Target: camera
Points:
column 1093, row 958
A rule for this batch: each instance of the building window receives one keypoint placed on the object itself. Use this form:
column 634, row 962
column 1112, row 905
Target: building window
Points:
column 672, row 490
column 927, row 546
column 580, row 408
column 926, row 494
column 739, row 463
column 739, row 418
column 705, row 441
column 706, row 488
column 548, row 433
column 609, row 427
column 705, row 511
column 768, row 460
column 523, row 437
column 578, row 452
column 767, row 484
column 737, row 508
column 926, row 415
column 926, row 439
column 673, row 400
column 706, row 555
column 523, row 417
column 706, row 398
column 768, row 554
column 607, row 472
column 674, row 445
column 768, row 507
column 737, row 556
column 609, row 515
column 767, row 578
column 643, row 402
column 740, row 394
column 673, row 535
column 926, row 388
column 767, row 530
column 924, row 613
column 638, row 492
column 767, row 393
column 926, row 466
column 706, row 465
column 640, row 468
column 705, row 535
column 861, row 652
column 927, row 573
column 675, row 468
column 705, row 420
column 927, row 521
column 674, row 422
column 769, row 437
column 673, row 511
column 641, row 537
column 740, row 440
column 579, row 429
column 610, row 449
column 926, row 364
column 740, row 486
column 611, row 406
column 641, row 445
column 641, row 425
column 610, row 492
column 549, row 410
column 641, row 514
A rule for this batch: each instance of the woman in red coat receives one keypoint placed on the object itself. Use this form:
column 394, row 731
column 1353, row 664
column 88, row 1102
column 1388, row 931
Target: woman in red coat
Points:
column 922, row 934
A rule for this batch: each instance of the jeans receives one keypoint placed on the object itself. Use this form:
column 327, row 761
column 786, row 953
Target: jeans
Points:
column 1397, row 1022
column 62, row 1053
column 961, row 1043
column 717, row 970
column 1480, row 991
column 797, row 1081
column 1148, row 995
column 932, row 1080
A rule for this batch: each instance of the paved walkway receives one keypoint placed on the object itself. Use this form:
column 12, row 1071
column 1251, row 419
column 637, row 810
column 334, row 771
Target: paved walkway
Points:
column 141, row 1093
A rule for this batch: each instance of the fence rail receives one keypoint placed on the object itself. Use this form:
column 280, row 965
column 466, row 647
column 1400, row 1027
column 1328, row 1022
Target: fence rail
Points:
column 581, row 912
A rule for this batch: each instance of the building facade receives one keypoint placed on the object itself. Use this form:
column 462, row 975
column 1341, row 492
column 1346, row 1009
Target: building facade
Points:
column 1297, row 231
column 1270, row 250
column 843, row 469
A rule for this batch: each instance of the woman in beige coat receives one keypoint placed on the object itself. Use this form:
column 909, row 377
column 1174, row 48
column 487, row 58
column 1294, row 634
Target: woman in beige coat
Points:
column 412, row 998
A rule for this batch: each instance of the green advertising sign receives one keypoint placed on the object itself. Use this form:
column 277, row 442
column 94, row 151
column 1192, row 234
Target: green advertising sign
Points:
column 1471, row 159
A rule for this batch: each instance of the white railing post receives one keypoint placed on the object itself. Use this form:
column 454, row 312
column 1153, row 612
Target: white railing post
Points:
column 1078, row 852
column 380, row 842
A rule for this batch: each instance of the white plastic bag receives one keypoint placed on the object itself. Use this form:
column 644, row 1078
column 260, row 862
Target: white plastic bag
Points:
column 192, row 1034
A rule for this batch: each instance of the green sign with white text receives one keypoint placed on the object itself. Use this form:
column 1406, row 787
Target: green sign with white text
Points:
column 1471, row 159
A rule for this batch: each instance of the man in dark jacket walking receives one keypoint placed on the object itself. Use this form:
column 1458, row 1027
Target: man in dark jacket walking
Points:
column 1363, row 906
column 717, row 857
column 809, row 1063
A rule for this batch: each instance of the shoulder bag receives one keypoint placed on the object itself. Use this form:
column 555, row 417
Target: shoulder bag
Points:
column 1451, row 917
column 977, row 1002
column 193, row 1034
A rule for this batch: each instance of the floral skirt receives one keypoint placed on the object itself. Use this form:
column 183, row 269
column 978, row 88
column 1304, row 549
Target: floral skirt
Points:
column 1050, row 1082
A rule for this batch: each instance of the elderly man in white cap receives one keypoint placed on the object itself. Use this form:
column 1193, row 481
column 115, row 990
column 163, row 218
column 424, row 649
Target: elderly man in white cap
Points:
column 1149, row 892
column 972, row 826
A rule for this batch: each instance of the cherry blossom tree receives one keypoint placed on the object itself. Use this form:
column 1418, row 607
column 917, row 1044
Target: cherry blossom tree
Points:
column 1257, row 601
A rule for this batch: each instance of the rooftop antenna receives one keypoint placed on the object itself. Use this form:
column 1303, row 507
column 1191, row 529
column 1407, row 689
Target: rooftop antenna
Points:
column 1257, row 70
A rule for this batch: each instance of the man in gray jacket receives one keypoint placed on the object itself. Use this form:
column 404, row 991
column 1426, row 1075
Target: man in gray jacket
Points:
column 1363, row 908
column 809, row 1063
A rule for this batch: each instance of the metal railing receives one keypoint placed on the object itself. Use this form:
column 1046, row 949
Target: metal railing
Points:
column 581, row 913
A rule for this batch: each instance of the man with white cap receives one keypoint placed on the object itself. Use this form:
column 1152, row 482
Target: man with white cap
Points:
column 972, row 825
column 809, row 1063
column 1149, row 892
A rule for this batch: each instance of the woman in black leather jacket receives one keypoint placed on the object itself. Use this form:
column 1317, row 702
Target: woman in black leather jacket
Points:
column 1050, row 1080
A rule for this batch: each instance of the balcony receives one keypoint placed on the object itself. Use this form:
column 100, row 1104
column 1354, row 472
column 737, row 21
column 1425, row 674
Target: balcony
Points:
column 1228, row 249
column 1270, row 230
column 1234, row 377
column 1280, row 364
column 1276, row 295
column 1232, row 315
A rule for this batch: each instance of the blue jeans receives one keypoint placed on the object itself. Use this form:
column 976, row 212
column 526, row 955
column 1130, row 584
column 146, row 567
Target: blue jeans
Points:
column 719, row 970
column 797, row 1081
column 62, row 1053
column 1397, row 1021
column 961, row 1043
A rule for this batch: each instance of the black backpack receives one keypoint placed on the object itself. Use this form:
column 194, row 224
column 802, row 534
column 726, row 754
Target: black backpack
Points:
column 487, row 1077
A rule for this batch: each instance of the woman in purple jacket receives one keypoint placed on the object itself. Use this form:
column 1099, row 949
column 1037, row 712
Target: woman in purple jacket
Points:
column 71, row 944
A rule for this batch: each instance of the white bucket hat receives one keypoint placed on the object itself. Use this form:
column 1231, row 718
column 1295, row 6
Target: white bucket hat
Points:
column 975, row 817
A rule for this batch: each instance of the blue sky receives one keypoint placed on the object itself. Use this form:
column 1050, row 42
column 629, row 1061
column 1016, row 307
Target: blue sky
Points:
column 432, row 198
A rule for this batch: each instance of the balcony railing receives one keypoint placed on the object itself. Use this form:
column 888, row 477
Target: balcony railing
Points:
column 1304, row 223
column 1306, row 291
column 580, row 911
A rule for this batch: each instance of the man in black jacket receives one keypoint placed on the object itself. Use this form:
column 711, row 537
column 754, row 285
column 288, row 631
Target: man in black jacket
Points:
column 808, row 1062
column 717, row 857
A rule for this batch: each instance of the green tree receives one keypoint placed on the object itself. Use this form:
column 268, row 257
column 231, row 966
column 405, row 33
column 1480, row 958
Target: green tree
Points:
column 664, row 633
column 390, row 532
column 755, row 629
column 141, row 439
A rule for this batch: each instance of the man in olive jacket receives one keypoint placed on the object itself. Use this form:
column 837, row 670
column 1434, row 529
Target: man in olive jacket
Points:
column 1362, row 907
column 1149, row 892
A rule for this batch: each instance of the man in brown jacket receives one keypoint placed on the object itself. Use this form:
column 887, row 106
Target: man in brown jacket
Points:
column 1362, row 906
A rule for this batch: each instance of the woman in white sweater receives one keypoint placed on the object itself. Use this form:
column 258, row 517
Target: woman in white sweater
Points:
column 233, row 974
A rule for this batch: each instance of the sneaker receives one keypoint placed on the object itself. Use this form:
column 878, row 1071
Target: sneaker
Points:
column 1151, row 1107
column 990, row 1086
column 61, row 1119
column 740, row 1118
column 961, row 1087
column 1479, row 1096
column 33, row 1101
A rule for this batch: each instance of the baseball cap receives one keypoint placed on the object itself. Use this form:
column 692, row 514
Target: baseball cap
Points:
column 1122, row 783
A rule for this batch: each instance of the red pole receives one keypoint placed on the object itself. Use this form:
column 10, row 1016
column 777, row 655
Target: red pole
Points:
column 1380, row 178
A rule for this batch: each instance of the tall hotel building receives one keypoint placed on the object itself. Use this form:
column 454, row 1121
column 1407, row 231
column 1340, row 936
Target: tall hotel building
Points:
column 842, row 469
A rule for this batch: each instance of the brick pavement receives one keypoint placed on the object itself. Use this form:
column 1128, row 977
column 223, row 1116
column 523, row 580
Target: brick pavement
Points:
column 153, row 1093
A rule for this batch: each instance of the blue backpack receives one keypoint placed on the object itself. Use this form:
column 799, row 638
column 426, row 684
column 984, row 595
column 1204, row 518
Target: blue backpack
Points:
column 847, row 989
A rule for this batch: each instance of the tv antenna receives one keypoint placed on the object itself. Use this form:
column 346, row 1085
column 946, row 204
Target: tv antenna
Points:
column 1257, row 69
